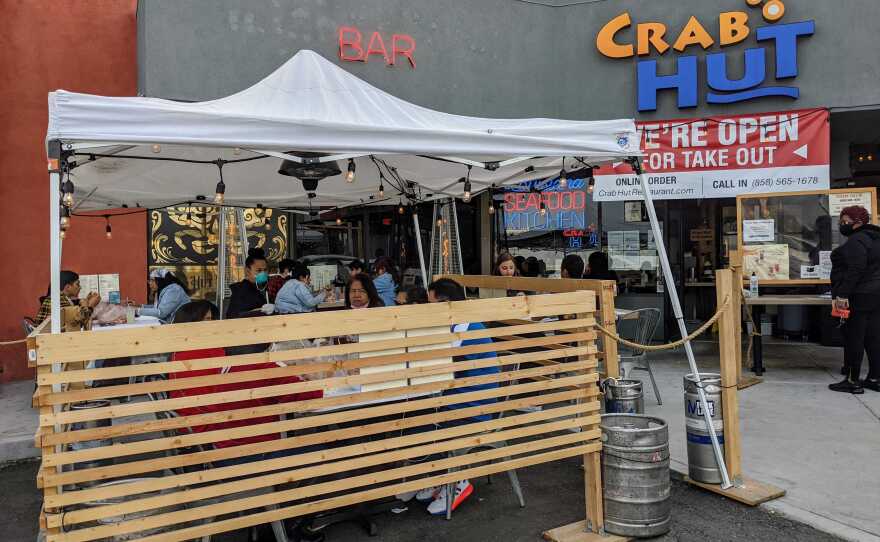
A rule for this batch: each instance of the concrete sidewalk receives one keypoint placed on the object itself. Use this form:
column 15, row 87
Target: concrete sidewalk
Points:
column 18, row 421
column 822, row 447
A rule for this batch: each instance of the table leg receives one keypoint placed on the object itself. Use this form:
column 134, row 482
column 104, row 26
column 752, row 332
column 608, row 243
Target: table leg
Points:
column 757, row 342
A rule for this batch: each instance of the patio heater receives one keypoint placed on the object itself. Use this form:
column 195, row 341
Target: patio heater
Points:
column 445, row 256
column 231, row 253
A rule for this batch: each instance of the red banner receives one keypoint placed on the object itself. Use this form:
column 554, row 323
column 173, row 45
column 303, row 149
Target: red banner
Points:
column 724, row 156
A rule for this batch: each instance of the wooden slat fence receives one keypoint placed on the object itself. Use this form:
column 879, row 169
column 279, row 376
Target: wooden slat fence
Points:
column 344, row 431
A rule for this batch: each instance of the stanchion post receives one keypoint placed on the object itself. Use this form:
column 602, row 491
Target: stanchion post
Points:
column 728, row 345
column 609, row 322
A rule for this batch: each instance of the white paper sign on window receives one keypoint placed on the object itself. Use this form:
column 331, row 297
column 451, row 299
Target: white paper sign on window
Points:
column 759, row 231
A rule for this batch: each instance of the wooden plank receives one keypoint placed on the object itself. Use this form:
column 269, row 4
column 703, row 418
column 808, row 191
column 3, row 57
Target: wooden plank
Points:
column 788, row 300
column 578, row 532
column 729, row 343
column 131, row 409
column 193, row 495
column 166, row 443
column 94, row 533
column 749, row 492
column 191, row 336
column 140, row 427
column 593, row 490
column 529, row 284
column 301, row 354
column 589, row 410
column 162, row 463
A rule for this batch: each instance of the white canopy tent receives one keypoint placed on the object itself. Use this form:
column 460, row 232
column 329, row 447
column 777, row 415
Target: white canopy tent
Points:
column 148, row 152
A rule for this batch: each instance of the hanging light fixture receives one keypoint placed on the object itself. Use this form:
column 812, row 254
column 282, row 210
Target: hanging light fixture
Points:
column 491, row 207
column 108, row 229
column 338, row 220
column 349, row 176
column 65, row 217
column 62, row 234
column 381, row 189
column 563, row 179
column 591, row 184
column 400, row 209
column 67, row 189
column 467, row 186
column 220, row 191
column 543, row 205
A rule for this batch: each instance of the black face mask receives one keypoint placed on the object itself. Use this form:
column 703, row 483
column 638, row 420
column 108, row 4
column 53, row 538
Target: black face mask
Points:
column 846, row 230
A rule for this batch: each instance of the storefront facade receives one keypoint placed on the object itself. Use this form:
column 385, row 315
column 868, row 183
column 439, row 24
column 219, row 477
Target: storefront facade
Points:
column 655, row 61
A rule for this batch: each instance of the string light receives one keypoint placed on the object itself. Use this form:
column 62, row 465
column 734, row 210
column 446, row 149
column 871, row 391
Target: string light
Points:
column 62, row 234
column 563, row 179
column 349, row 177
column 381, row 190
column 400, row 209
column 439, row 222
column 108, row 229
column 543, row 205
column 68, row 189
column 591, row 184
column 491, row 207
column 338, row 220
column 157, row 148
column 65, row 217
column 467, row 187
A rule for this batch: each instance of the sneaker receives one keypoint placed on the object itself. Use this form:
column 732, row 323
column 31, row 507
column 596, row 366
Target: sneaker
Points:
column 847, row 386
column 463, row 490
column 428, row 494
column 406, row 497
column 871, row 384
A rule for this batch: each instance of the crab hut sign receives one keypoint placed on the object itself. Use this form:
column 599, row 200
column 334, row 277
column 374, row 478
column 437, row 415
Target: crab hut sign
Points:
column 729, row 29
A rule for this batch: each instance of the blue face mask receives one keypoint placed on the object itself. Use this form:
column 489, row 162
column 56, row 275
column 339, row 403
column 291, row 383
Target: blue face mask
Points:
column 262, row 279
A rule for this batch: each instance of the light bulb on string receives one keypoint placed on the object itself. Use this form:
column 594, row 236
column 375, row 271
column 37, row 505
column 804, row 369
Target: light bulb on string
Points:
column 543, row 206
column 400, row 209
column 68, row 189
column 108, row 229
column 591, row 184
column 467, row 192
column 62, row 234
column 563, row 179
column 349, row 176
column 65, row 217
column 439, row 222
column 157, row 148
column 338, row 220
column 220, row 192
column 381, row 190
column 491, row 207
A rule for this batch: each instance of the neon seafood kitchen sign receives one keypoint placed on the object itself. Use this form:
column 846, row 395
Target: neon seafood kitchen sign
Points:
column 733, row 28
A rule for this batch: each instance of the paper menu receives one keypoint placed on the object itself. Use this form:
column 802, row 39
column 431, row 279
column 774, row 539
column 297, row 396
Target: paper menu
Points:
column 101, row 284
column 615, row 240
column 439, row 330
column 387, row 368
column 631, row 241
column 825, row 264
column 322, row 275
column 839, row 201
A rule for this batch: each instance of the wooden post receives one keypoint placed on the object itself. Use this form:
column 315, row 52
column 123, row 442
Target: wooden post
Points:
column 728, row 345
column 609, row 322
column 736, row 306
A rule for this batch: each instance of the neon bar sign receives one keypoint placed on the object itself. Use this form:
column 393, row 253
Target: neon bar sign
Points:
column 351, row 47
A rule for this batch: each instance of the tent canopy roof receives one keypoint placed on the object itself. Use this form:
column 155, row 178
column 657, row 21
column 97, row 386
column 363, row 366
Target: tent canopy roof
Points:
column 308, row 105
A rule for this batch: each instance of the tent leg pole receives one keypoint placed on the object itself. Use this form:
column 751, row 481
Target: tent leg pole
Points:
column 679, row 317
column 221, row 260
column 418, row 233
column 55, row 249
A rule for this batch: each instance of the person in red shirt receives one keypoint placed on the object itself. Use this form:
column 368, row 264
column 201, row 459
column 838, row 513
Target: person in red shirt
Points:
column 198, row 311
column 285, row 273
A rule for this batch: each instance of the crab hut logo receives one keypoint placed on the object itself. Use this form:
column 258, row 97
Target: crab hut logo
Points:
column 730, row 28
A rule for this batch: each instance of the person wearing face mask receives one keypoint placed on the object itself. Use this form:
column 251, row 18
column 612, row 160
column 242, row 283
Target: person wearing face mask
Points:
column 169, row 294
column 249, row 297
column 855, row 286
column 276, row 282
column 70, row 289
column 296, row 295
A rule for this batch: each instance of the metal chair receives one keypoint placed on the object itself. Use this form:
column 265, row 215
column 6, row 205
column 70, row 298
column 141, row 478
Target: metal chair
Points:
column 640, row 329
column 511, row 474
column 28, row 325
